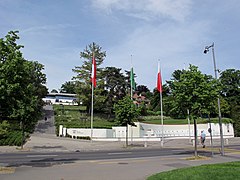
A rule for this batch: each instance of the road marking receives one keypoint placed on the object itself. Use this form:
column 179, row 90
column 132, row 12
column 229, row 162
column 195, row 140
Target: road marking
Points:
column 119, row 153
column 42, row 155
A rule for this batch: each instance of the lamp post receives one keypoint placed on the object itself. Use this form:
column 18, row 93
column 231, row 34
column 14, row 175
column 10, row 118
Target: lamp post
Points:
column 218, row 99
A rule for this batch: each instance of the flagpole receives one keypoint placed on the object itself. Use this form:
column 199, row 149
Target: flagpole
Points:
column 161, row 106
column 131, row 94
column 92, row 80
column 92, row 114
column 131, row 88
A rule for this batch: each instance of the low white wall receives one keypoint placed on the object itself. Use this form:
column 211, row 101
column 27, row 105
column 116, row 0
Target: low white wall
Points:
column 79, row 132
column 151, row 130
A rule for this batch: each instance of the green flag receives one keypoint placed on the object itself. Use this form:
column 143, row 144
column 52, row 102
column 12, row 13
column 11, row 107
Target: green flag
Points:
column 133, row 85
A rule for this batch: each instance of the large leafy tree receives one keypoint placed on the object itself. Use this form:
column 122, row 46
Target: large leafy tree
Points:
column 83, row 83
column 230, row 80
column 191, row 90
column 115, row 87
column 195, row 92
column 21, row 85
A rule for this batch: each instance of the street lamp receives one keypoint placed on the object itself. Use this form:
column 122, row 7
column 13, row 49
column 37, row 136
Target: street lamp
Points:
column 219, row 107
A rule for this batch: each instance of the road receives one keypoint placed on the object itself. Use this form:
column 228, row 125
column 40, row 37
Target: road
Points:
column 101, row 165
column 54, row 158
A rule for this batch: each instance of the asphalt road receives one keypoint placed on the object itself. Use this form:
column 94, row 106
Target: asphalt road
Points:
column 49, row 159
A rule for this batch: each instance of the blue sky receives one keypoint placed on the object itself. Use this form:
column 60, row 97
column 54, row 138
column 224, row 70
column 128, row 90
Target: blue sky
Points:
column 175, row 32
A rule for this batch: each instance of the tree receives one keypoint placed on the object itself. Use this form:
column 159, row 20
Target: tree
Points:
column 126, row 112
column 68, row 87
column 195, row 92
column 21, row 85
column 83, row 83
column 54, row 91
column 128, row 81
column 115, row 87
column 230, row 80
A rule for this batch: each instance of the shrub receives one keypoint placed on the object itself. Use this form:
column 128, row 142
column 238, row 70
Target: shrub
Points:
column 13, row 138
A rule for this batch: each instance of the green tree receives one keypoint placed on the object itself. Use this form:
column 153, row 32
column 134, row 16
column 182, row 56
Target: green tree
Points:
column 115, row 87
column 68, row 87
column 125, row 112
column 230, row 80
column 54, row 91
column 195, row 92
column 83, row 83
column 21, row 85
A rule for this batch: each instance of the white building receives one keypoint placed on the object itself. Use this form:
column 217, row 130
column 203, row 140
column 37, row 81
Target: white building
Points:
column 61, row 98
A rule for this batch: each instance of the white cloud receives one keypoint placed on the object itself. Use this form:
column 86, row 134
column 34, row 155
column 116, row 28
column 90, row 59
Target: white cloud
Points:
column 147, row 9
column 176, row 46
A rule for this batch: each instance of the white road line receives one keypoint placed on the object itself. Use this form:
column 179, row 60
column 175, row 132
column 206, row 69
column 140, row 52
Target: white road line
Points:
column 119, row 153
column 42, row 155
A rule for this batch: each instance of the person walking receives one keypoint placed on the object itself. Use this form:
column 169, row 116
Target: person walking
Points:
column 203, row 138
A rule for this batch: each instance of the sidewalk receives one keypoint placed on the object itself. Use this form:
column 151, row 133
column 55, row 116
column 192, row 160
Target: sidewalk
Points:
column 52, row 143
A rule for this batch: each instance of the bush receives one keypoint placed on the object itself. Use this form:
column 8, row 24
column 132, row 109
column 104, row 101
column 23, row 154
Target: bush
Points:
column 13, row 138
column 153, row 113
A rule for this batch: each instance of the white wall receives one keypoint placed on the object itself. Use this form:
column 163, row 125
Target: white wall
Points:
column 151, row 130
column 79, row 132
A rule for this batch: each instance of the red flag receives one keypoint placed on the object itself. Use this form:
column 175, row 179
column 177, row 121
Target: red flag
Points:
column 93, row 76
column 159, row 81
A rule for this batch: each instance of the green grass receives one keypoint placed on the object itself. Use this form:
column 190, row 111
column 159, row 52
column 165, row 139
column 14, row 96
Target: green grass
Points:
column 224, row 171
column 74, row 117
column 170, row 121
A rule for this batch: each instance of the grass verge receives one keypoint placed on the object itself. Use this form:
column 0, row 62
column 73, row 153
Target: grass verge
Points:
column 226, row 171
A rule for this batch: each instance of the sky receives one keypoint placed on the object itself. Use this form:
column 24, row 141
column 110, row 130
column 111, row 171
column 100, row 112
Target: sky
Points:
column 172, row 32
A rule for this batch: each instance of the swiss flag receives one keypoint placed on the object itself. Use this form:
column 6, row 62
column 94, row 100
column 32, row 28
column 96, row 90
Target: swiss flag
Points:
column 159, row 81
column 93, row 75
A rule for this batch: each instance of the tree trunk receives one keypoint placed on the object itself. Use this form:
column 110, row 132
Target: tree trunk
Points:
column 195, row 136
column 127, row 135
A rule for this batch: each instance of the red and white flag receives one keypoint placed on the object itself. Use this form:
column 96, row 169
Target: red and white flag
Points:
column 94, row 70
column 159, row 80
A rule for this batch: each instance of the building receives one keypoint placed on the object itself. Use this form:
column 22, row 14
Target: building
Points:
column 61, row 98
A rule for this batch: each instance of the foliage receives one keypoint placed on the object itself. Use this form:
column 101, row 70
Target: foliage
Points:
column 4, row 127
column 13, row 138
column 54, row 91
column 68, row 87
column 21, row 85
column 227, row 171
column 126, row 111
column 115, row 87
column 83, row 83
column 230, row 80
column 193, row 91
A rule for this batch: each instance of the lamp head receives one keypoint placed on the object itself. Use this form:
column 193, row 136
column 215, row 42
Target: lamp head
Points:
column 206, row 50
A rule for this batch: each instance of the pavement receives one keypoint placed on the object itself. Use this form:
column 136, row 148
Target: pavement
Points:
column 134, row 169
column 51, row 143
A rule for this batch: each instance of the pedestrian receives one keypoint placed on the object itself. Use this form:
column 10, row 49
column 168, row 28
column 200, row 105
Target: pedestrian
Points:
column 203, row 137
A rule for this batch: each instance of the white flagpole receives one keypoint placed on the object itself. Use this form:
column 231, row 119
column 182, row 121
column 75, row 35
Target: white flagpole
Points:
column 92, row 115
column 131, row 93
column 131, row 88
column 92, row 99
column 160, row 92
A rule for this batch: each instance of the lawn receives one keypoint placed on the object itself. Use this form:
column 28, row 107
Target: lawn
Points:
column 76, row 116
column 225, row 171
